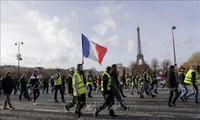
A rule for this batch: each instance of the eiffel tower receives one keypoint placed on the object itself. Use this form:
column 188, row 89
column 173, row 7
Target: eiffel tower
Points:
column 140, row 56
column 140, row 67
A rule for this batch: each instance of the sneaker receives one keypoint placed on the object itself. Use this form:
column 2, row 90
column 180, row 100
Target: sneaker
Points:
column 56, row 101
column 141, row 96
column 12, row 108
column 182, row 99
column 196, row 102
column 5, row 108
column 67, row 107
column 153, row 96
column 96, row 113
column 90, row 96
column 79, row 114
column 173, row 105
column 34, row 103
column 169, row 105
column 63, row 100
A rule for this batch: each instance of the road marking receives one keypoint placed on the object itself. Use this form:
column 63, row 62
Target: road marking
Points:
column 48, row 110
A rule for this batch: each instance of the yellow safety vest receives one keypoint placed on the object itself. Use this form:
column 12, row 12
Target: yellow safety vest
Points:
column 80, row 84
column 58, row 80
column 109, row 81
column 89, row 81
column 149, row 79
column 133, row 80
column 188, row 77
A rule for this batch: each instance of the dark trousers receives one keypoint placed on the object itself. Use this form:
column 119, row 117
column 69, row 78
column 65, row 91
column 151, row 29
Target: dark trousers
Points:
column 36, row 94
column 109, row 101
column 121, row 91
column 173, row 95
column 58, row 87
column 24, row 92
column 90, row 90
column 72, row 103
column 46, row 87
column 80, row 103
column 7, row 100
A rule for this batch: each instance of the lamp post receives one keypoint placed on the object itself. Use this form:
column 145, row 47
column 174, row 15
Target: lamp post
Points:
column 173, row 28
column 19, row 58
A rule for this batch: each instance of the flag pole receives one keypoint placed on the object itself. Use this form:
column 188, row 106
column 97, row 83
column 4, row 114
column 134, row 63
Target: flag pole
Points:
column 82, row 49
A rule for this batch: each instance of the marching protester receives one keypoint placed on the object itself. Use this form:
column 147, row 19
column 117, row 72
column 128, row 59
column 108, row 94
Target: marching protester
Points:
column 79, row 89
column 35, row 84
column 146, row 81
column 183, row 88
column 107, row 93
column 90, row 80
column 173, row 87
column 46, row 85
column 191, row 78
column 134, row 82
column 7, row 86
column 70, row 90
column 58, row 86
column 23, row 88
column 115, row 86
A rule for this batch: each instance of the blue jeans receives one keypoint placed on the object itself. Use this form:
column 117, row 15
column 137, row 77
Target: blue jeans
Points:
column 145, row 87
column 194, row 92
column 184, row 90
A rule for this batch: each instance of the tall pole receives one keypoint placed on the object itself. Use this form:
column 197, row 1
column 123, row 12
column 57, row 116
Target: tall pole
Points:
column 174, row 50
column 19, row 58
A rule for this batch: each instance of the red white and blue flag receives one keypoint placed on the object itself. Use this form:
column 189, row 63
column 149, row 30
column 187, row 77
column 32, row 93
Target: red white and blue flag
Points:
column 93, row 50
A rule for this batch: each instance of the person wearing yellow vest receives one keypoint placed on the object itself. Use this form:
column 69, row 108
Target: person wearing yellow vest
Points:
column 89, row 83
column 70, row 90
column 191, row 78
column 58, row 86
column 134, row 83
column 146, row 80
column 79, row 89
column 107, row 93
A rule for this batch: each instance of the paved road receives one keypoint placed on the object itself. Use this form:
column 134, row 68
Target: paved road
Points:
column 144, row 109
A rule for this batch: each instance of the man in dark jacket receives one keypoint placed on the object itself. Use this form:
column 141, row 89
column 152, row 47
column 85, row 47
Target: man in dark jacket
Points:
column 106, row 90
column 173, row 87
column 23, row 87
column 115, row 86
column 7, row 86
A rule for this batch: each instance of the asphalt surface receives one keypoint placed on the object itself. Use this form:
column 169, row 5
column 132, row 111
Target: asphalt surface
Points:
column 138, row 109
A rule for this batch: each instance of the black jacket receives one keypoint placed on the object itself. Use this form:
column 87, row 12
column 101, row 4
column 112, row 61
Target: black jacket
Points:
column 172, row 79
column 7, row 85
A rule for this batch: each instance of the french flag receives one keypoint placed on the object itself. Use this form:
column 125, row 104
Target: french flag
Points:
column 92, row 50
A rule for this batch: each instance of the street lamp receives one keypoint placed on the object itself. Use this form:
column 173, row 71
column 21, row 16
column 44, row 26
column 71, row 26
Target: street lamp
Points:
column 173, row 28
column 19, row 58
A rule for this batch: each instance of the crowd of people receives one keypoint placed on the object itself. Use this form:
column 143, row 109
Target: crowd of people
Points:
column 110, row 84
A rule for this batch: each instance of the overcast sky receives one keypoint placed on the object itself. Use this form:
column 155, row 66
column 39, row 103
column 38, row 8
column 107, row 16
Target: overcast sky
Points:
column 51, row 31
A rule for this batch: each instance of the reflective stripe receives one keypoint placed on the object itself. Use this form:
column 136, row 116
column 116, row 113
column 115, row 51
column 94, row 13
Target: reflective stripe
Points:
column 58, row 80
column 89, row 82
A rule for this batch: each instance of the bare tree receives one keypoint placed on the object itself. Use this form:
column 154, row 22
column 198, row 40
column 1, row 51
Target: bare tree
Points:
column 155, row 63
column 132, row 65
column 165, row 63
